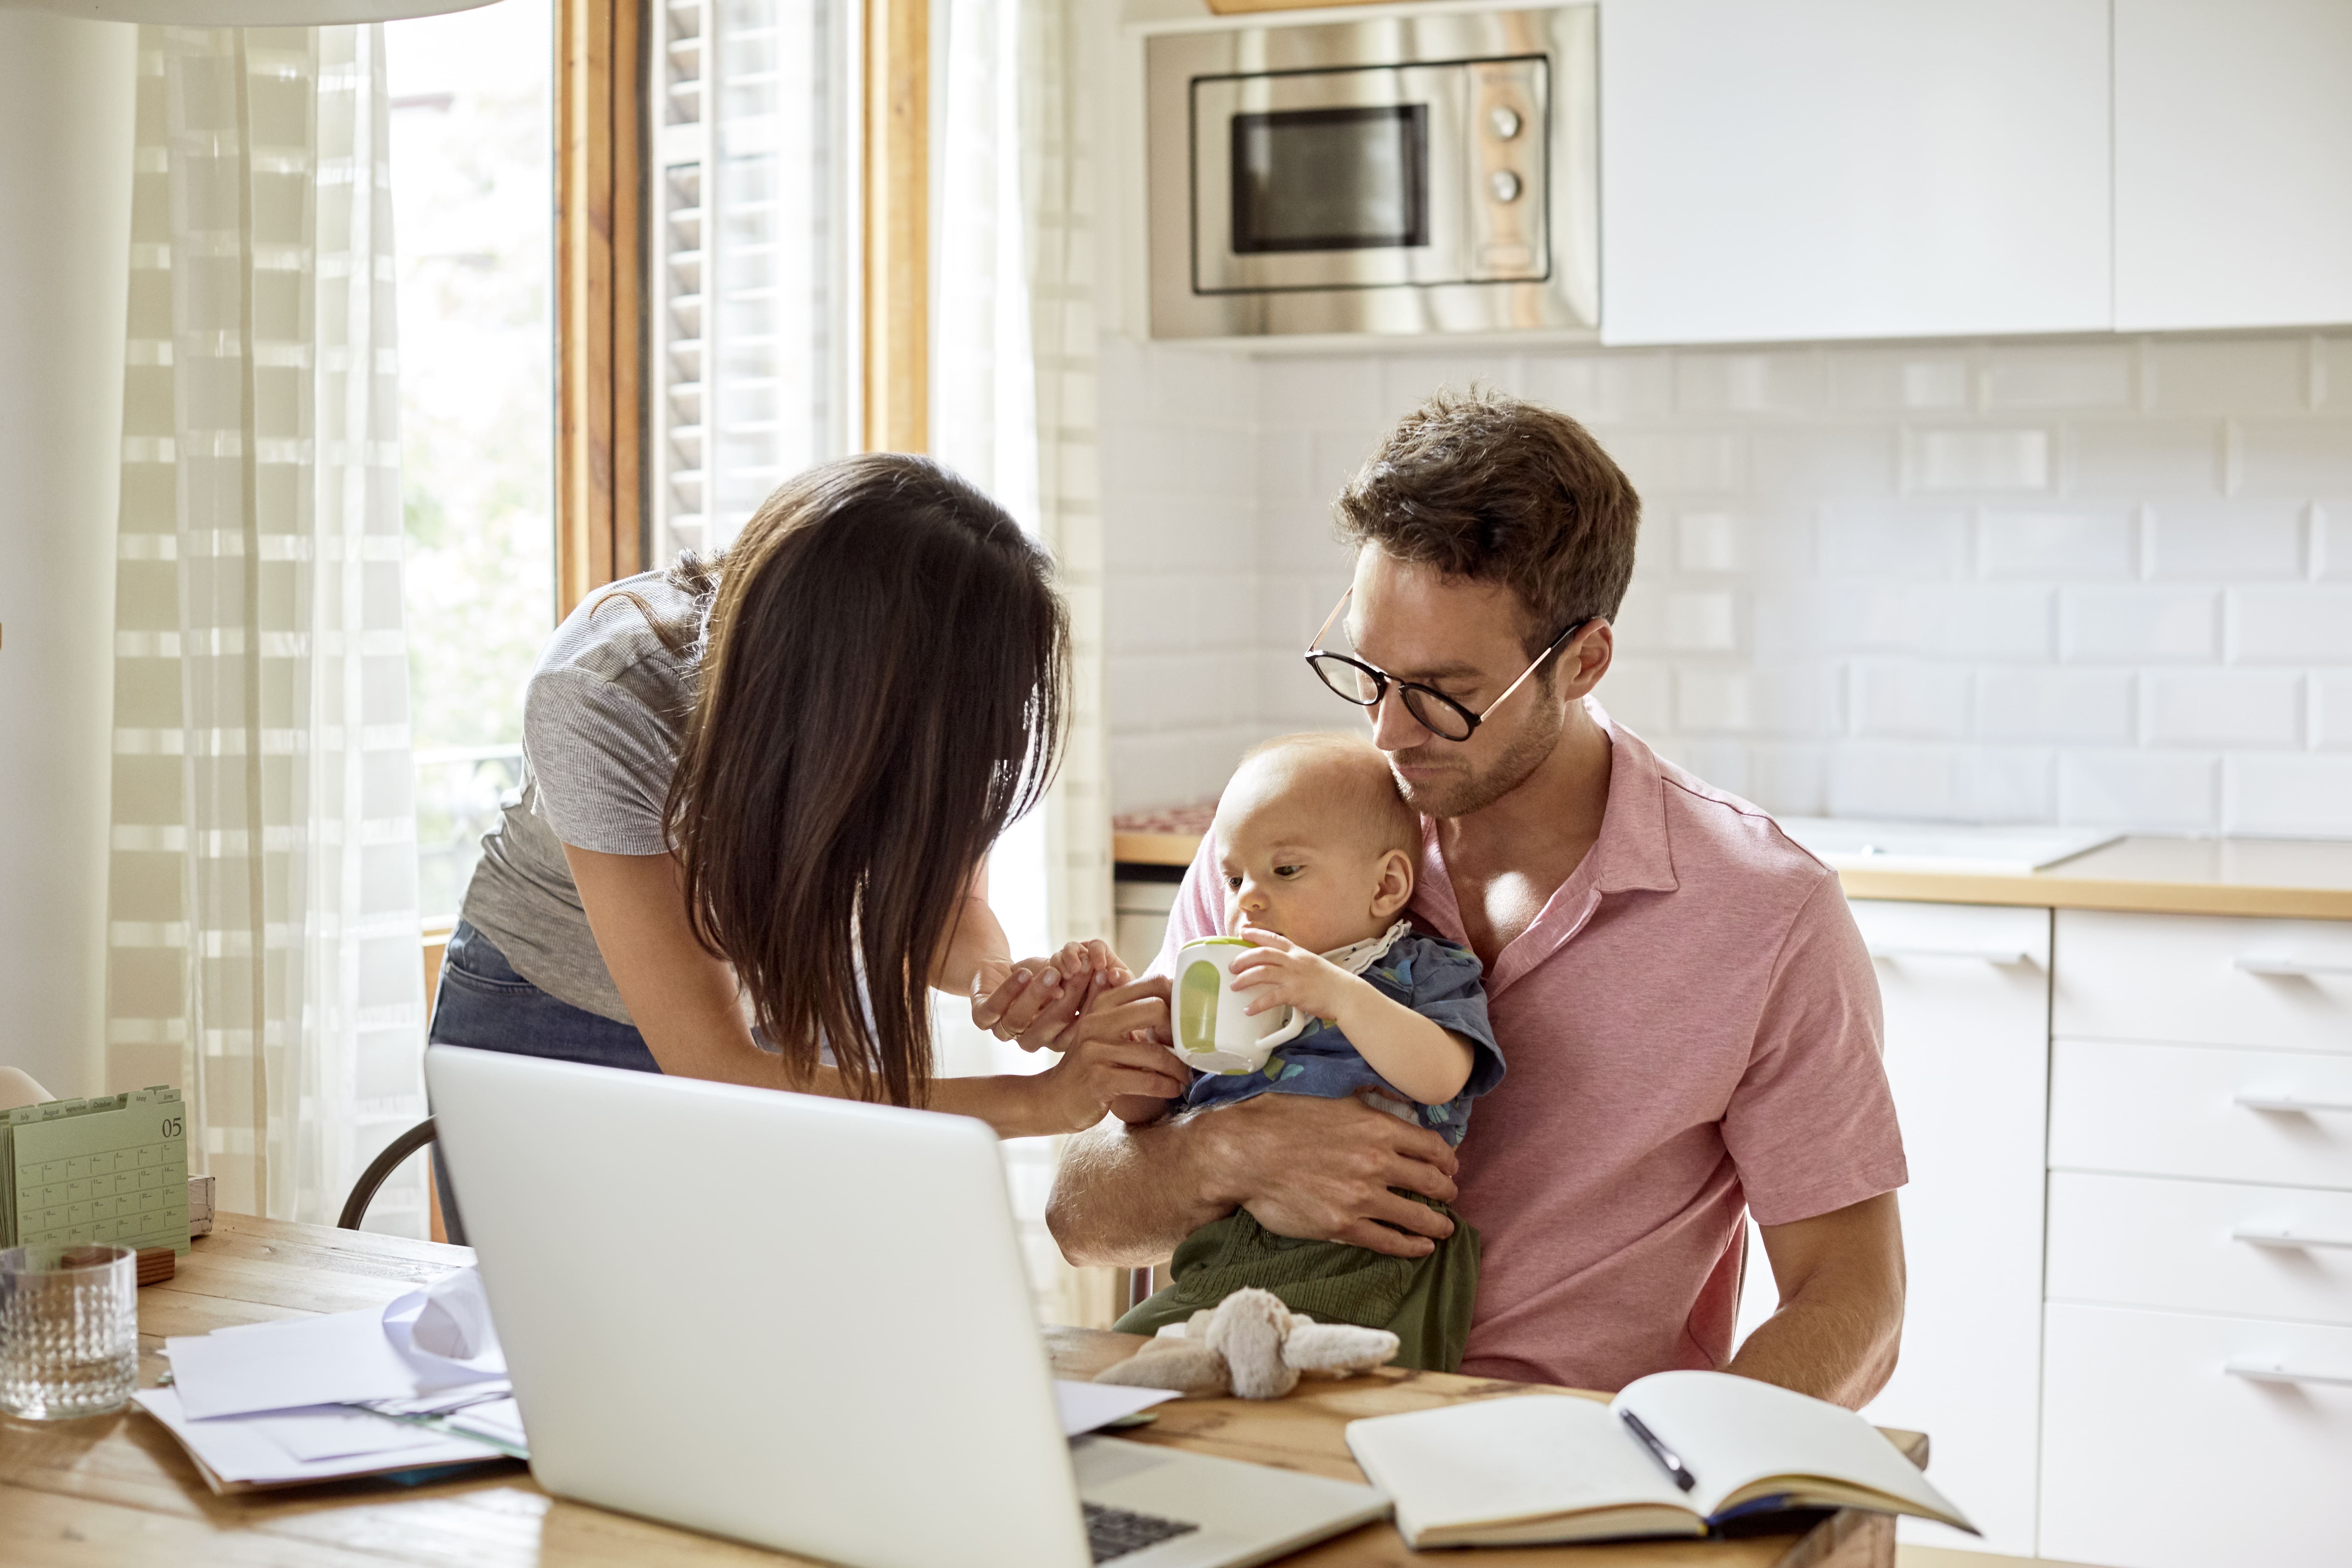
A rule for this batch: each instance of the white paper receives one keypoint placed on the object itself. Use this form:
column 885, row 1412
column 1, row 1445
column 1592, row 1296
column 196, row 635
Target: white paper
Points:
column 499, row 1420
column 443, row 1400
column 341, row 1358
column 1087, row 1405
column 238, row 1450
column 334, row 1432
column 444, row 1332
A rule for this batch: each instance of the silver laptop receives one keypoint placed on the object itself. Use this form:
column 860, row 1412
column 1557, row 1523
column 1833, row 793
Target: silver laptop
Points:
column 802, row 1323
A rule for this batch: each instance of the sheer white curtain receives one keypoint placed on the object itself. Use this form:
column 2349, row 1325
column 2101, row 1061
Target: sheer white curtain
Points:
column 263, row 950
column 1014, row 382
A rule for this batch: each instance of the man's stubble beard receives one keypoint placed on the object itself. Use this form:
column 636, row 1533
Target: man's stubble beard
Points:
column 1465, row 794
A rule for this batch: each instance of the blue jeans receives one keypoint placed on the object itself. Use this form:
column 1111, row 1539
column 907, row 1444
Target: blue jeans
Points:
column 484, row 1004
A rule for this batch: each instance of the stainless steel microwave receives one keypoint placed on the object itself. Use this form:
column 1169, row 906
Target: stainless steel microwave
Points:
column 1409, row 173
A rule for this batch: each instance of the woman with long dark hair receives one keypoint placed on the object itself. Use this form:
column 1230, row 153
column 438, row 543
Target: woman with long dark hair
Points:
column 758, row 797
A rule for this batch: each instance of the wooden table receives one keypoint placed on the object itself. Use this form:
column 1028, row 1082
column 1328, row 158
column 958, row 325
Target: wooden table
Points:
column 117, row 1490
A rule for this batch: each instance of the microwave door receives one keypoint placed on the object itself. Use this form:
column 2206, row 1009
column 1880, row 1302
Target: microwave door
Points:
column 1329, row 179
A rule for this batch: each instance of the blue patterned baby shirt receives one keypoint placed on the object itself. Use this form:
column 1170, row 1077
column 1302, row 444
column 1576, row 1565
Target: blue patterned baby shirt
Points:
column 1434, row 978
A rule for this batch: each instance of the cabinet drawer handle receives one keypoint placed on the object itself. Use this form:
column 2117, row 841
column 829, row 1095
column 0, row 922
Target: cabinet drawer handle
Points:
column 2255, row 1101
column 2002, row 955
column 2253, row 964
column 2278, row 1372
column 2256, row 1236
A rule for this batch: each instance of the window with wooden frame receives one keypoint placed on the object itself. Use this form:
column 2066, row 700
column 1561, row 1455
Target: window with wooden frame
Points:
column 741, row 258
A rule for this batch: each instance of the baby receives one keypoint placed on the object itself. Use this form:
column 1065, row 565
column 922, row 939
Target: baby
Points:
column 1317, row 849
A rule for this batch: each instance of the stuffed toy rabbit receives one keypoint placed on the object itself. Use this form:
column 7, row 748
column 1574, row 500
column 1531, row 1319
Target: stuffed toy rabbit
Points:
column 1251, row 1345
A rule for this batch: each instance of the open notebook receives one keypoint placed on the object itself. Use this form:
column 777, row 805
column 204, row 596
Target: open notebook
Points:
column 1548, row 1468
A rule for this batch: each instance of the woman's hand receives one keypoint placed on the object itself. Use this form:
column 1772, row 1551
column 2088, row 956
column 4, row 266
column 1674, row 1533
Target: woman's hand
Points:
column 1036, row 1002
column 1276, row 972
column 1078, row 1089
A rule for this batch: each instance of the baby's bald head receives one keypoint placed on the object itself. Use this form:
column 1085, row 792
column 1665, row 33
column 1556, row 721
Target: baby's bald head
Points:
column 1341, row 783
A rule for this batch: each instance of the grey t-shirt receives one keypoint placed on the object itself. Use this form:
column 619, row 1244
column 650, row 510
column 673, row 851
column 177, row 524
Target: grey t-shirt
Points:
column 601, row 723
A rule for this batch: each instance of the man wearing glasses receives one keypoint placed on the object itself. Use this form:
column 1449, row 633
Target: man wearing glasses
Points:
column 1690, row 1016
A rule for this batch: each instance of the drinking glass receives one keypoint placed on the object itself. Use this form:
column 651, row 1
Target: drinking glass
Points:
column 69, row 1330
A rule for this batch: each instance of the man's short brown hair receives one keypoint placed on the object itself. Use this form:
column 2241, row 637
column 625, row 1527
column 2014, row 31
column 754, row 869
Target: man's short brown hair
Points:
column 1485, row 486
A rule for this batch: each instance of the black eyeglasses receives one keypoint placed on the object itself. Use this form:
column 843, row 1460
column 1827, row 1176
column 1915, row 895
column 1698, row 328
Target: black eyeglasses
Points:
column 1365, row 684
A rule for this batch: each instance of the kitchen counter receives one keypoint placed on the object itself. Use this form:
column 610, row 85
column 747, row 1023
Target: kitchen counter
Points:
column 2280, row 878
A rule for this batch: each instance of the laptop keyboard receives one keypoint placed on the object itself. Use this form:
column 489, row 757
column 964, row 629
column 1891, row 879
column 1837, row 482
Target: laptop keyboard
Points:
column 1115, row 1533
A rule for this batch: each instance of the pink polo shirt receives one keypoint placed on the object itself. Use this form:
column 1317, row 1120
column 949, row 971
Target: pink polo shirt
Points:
column 1691, row 1028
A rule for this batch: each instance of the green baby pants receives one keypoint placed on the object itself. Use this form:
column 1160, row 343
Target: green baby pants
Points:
column 1426, row 1302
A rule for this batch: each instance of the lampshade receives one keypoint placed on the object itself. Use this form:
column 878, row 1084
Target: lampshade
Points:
column 247, row 13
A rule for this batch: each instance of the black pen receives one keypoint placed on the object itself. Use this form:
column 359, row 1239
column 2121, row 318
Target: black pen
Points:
column 1660, row 1452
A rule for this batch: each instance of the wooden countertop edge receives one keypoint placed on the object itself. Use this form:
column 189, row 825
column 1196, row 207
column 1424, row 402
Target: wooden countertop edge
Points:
column 2052, row 890
column 1154, row 848
column 2042, row 890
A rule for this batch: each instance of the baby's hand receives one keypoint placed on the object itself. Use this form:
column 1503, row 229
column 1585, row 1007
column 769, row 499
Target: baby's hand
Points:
column 1276, row 972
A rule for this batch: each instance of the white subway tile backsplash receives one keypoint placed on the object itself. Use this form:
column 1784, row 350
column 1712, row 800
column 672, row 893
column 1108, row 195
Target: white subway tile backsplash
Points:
column 1290, row 697
column 1182, row 691
column 2284, row 795
column 2177, row 790
column 1798, row 701
column 1991, row 460
column 1910, row 699
column 1709, row 541
column 2273, row 626
column 1723, row 763
column 1991, row 621
column 2086, row 543
column 2144, row 459
column 2237, row 541
column 2331, row 532
column 2294, row 457
column 1602, row 387
column 2132, row 626
column 1665, row 461
column 1790, row 382
column 2331, row 710
column 1333, row 457
column 2039, row 703
column 2263, row 376
column 1807, row 463
column 1146, row 614
column 1639, row 694
column 1297, row 536
column 1176, row 767
column 1934, row 782
column 2088, row 375
column 2007, row 581
column 2223, row 707
column 1411, row 379
column 1884, row 540
column 1340, row 393
column 1896, row 380
column 2331, row 372
column 1701, row 621
column 1286, row 465
column 1793, row 777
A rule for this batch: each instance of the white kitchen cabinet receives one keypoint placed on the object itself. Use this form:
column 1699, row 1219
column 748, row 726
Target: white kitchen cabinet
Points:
column 1967, row 993
column 1854, row 169
column 2179, row 1440
column 2205, row 979
column 1141, row 909
column 2233, row 162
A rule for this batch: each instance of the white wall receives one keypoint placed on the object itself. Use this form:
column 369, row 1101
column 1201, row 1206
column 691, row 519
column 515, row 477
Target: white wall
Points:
column 2102, row 580
column 65, row 232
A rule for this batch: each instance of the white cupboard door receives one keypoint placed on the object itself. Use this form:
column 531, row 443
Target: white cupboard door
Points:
column 1853, row 169
column 1966, row 994
column 2179, row 1441
column 2204, row 980
column 2233, row 162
